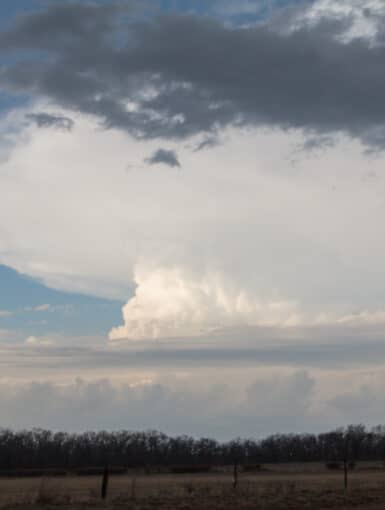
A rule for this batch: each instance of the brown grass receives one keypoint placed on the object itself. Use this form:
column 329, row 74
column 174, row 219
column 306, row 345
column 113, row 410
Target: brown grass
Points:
column 279, row 488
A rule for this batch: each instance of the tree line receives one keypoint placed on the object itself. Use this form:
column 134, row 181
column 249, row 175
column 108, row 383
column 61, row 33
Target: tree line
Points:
column 43, row 449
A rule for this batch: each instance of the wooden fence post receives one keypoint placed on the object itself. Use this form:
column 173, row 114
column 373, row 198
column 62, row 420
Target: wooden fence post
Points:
column 105, row 483
column 345, row 473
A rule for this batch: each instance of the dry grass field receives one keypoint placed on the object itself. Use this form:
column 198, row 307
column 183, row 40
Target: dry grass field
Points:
column 278, row 488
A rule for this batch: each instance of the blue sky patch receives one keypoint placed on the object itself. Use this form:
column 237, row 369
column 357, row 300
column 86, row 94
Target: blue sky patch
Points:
column 35, row 309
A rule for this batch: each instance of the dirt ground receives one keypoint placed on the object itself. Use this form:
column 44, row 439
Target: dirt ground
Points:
column 276, row 488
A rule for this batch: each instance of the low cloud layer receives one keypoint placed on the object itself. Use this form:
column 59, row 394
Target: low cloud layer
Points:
column 175, row 76
column 286, row 402
column 245, row 382
column 260, row 408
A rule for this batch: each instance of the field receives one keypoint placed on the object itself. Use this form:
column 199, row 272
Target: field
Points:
column 276, row 487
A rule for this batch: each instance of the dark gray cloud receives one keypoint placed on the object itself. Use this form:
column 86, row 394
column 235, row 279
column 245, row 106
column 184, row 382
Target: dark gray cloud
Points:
column 48, row 120
column 164, row 156
column 192, row 74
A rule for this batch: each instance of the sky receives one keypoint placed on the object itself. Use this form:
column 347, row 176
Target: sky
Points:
column 192, row 199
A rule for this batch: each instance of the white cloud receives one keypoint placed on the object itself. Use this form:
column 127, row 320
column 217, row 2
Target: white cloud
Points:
column 5, row 313
column 170, row 302
column 365, row 15
column 37, row 341
column 40, row 308
column 364, row 317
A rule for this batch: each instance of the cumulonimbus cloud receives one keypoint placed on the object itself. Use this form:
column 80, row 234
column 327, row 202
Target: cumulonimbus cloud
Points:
column 173, row 302
column 225, row 243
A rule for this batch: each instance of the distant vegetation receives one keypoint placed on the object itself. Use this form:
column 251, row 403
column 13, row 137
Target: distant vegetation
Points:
column 151, row 450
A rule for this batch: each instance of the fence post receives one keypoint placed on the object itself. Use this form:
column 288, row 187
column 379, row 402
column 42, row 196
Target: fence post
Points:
column 345, row 473
column 105, row 482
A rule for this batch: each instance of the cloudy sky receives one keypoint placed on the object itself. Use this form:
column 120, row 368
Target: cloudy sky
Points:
column 192, row 210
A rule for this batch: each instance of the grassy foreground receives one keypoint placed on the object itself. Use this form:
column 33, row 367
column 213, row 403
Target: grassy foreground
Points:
column 278, row 488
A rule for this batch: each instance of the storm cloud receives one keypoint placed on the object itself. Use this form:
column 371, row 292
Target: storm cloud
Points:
column 175, row 76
